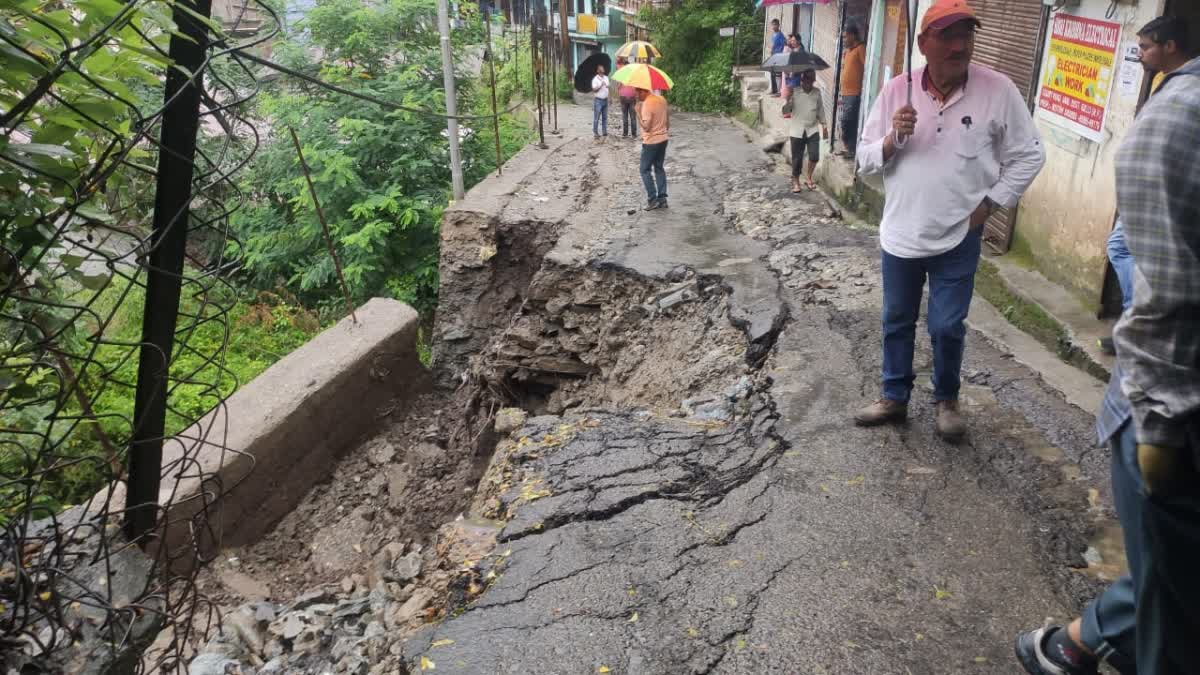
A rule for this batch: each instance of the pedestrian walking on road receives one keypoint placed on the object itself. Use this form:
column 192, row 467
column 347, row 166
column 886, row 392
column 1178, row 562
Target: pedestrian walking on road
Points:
column 1148, row 620
column 948, row 160
column 778, row 44
column 600, row 103
column 807, row 128
column 850, row 86
column 656, row 125
column 628, row 96
column 1165, row 57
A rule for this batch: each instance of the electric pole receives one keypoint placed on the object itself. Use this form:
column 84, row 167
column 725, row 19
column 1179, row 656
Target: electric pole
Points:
column 451, row 104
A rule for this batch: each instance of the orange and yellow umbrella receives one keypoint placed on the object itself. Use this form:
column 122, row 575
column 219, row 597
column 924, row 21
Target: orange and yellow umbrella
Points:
column 638, row 49
column 643, row 76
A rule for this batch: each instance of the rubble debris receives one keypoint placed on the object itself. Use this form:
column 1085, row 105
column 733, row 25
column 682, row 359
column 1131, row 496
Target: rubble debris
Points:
column 381, row 451
column 509, row 420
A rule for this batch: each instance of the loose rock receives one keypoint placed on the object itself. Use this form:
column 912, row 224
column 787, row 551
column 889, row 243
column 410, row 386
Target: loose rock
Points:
column 509, row 420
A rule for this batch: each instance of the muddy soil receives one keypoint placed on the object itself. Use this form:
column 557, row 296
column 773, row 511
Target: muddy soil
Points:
column 560, row 339
column 602, row 338
column 396, row 487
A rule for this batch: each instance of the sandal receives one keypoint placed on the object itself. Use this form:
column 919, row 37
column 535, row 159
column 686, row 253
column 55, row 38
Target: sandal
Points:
column 810, row 185
column 796, row 189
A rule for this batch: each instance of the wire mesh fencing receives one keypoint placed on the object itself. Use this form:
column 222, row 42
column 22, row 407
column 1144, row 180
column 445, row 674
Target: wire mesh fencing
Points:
column 119, row 140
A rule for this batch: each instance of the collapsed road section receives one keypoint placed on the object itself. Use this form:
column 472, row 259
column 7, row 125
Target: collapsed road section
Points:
column 642, row 424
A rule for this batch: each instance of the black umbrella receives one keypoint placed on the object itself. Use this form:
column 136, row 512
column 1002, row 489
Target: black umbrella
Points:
column 794, row 62
column 587, row 70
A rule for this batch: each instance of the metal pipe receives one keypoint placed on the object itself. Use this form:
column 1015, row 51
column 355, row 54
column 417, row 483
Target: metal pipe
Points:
column 566, row 39
column 164, row 279
column 456, row 177
column 537, row 78
column 554, row 81
column 492, row 76
column 837, row 76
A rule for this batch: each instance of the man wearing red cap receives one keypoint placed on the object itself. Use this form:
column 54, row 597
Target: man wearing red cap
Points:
column 965, row 146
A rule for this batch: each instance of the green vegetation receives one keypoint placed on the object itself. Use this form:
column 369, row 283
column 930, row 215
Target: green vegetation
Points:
column 748, row 117
column 381, row 175
column 53, row 146
column 260, row 330
column 68, row 345
column 1032, row 319
column 696, row 57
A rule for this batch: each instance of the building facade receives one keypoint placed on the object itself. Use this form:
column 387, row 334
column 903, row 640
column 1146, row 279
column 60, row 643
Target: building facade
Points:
column 1061, row 225
column 1067, row 214
column 592, row 26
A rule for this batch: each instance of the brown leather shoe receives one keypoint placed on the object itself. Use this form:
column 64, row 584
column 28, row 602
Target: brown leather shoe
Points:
column 950, row 423
column 883, row 411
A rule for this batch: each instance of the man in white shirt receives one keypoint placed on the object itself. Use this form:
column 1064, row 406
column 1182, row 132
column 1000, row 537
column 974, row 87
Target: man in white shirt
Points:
column 600, row 103
column 974, row 149
column 806, row 128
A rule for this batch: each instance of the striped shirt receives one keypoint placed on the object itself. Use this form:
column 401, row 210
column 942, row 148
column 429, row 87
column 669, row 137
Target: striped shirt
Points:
column 1157, row 379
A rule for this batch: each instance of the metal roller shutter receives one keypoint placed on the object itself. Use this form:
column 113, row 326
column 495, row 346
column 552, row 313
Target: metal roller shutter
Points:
column 1010, row 41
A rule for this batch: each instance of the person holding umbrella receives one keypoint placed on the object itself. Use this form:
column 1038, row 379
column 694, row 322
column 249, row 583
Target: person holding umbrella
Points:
column 655, row 120
column 628, row 96
column 791, row 80
column 808, row 116
column 949, row 155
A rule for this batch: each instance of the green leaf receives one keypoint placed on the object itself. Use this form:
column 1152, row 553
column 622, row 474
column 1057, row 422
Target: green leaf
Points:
column 96, row 212
column 154, row 56
column 42, row 150
column 183, row 7
column 15, row 59
column 53, row 133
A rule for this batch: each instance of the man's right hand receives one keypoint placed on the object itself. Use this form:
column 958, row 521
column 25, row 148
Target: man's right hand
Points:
column 904, row 122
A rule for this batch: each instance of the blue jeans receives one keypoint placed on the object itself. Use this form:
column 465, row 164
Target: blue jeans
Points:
column 599, row 116
column 653, row 157
column 951, row 284
column 1146, row 621
column 1122, row 263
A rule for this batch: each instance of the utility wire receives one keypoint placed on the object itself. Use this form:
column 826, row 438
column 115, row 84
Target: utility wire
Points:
column 365, row 97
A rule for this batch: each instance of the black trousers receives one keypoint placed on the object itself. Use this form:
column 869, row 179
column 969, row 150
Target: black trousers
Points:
column 810, row 145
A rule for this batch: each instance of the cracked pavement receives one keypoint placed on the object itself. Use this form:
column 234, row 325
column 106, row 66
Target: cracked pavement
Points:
column 787, row 540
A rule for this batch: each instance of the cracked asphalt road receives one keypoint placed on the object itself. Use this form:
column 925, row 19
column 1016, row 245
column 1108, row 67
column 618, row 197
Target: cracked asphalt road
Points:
column 787, row 541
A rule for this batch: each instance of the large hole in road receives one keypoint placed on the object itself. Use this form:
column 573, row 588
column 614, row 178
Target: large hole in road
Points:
column 379, row 540
column 606, row 338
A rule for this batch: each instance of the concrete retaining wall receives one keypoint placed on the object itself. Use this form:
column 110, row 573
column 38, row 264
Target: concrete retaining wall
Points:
column 282, row 432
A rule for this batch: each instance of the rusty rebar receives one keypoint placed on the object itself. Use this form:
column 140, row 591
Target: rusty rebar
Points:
column 492, row 76
column 312, row 190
